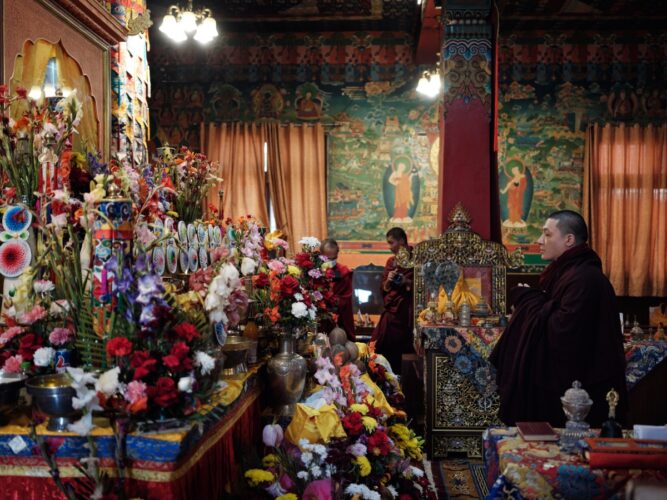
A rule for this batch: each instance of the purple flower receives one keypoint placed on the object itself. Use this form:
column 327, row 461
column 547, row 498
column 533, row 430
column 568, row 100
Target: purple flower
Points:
column 315, row 273
column 357, row 449
column 272, row 435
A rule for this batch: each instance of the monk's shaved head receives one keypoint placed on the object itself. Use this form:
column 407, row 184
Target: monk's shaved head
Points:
column 570, row 222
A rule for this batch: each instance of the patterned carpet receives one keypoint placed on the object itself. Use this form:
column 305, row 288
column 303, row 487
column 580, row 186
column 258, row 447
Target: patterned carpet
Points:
column 459, row 479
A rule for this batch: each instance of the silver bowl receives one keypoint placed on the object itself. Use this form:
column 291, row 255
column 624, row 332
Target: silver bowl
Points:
column 52, row 395
column 10, row 387
column 236, row 352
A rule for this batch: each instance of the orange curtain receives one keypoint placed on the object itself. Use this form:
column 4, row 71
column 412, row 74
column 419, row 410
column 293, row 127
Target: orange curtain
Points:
column 297, row 178
column 238, row 148
column 625, row 201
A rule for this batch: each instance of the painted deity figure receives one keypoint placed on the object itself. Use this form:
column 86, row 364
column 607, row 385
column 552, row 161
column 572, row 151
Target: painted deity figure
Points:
column 401, row 179
column 515, row 190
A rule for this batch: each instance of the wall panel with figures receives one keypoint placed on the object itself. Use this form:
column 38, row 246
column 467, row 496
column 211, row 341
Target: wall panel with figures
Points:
column 383, row 145
column 552, row 85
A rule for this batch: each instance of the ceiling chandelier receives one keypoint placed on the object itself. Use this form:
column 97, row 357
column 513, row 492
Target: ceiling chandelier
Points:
column 179, row 22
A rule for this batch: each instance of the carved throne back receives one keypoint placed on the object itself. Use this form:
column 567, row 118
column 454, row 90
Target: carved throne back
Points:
column 483, row 262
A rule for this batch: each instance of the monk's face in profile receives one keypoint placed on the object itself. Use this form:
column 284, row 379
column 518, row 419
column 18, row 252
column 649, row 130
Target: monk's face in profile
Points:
column 553, row 242
column 394, row 244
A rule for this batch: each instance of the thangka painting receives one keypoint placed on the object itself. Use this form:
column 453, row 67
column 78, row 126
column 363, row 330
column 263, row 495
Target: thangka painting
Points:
column 383, row 171
column 551, row 89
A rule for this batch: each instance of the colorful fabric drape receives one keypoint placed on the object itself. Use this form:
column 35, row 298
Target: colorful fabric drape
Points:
column 625, row 181
column 198, row 461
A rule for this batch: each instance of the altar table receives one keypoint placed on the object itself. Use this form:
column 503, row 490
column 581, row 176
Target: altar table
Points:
column 460, row 384
column 198, row 460
column 520, row 469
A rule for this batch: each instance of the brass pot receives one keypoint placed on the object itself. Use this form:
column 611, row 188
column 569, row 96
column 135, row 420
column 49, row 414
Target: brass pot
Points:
column 236, row 353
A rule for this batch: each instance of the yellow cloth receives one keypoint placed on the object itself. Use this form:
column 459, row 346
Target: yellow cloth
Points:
column 317, row 426
column 363, row 349
column 461, row 291
column 377, row 398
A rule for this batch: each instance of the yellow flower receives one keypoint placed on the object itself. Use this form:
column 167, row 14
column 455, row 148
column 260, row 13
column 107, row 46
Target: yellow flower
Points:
column 294, row 271
column 270, row 459
column 287, row 496
column 171, row 213
column 360, row 408
column 256, row 477
column 369, row 423
column 364, row 465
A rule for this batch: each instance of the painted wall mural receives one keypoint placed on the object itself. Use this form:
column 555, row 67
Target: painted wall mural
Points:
column 382, row 148
column 550, row 88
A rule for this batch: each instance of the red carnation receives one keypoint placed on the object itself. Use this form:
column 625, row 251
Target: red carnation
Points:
column 143, row 364
column 289, row 286
column 186, row 331
column 260, row 280
column 28, row 345
column 379, row 444
column 164, row 393
column 178, row 359
column 303, row 261
column 352, row 423
column 21, row 92
column 119, row 346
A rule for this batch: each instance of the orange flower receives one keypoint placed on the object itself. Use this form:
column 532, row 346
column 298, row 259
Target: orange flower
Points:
column 272, row 314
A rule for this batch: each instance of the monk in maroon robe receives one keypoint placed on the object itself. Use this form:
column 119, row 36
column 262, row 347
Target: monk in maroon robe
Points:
column 342, row 288
column 393, row 334
column 568, row 329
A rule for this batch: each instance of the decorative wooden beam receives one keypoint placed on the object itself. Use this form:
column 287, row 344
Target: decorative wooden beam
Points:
column 94, row 16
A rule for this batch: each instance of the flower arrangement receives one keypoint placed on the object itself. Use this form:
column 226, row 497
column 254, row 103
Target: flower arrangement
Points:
column 38, row 135
column 189, row 176
column 29, row 339
column 378, row 456
column 290, row 293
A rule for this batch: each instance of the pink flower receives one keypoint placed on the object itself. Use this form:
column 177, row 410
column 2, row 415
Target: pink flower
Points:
column 276, row 266
column 136, row 391
column 13, row 364
column 35, row 314
column 59, row 336
column 272, row 435
column 318, row 490
column 10, row 333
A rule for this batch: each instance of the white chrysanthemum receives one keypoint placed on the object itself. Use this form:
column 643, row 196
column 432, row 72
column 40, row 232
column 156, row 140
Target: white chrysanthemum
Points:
column 299, row 310
column 205, row 362
column 306, row 457
column 310, row 242
column 363, row 491
column 44, row 356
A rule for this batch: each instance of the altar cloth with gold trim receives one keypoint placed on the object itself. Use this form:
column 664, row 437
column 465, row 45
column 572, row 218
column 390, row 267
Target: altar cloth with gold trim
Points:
column 197, row 459
column 520, row 469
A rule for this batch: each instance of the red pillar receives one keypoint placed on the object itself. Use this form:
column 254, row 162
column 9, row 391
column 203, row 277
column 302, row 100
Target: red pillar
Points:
column 468, row 172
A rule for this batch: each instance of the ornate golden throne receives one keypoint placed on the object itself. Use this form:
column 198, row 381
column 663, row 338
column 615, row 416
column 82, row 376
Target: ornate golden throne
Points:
column 459, row 383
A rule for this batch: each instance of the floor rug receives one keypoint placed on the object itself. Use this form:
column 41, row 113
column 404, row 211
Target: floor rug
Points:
column 460, row 479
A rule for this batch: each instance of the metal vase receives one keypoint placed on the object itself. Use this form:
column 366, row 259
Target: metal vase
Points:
column 286, row 373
